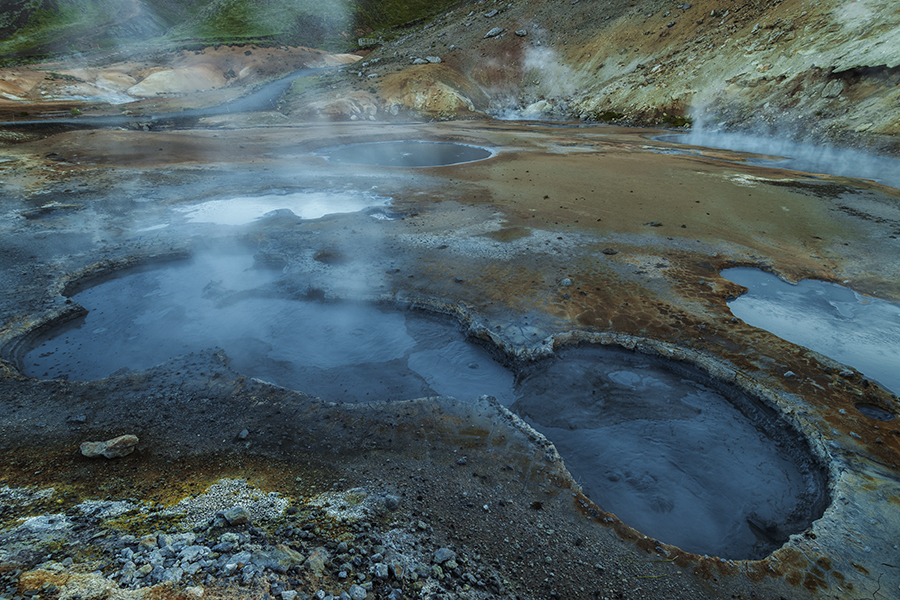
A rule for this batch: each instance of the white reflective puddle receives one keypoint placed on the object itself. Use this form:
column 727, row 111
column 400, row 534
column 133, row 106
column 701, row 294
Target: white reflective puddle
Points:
column 825, row 317
column 306, row 205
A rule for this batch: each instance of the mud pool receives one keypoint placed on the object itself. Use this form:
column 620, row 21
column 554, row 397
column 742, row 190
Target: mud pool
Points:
column 341, row 352
column 692, row 463
column 708, row 470
column 856, row 330
column 405, row 154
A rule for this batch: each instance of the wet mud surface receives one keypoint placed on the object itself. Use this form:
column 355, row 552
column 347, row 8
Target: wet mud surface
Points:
column 562, row 237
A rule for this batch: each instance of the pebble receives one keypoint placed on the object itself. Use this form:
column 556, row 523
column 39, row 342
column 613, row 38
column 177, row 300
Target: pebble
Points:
column 442, row 555
column 237, row 515
column 357, row 592
column 114, row 448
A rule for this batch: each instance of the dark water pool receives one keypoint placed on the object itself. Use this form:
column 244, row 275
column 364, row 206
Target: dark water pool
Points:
column 405, row 154
column 664, row 448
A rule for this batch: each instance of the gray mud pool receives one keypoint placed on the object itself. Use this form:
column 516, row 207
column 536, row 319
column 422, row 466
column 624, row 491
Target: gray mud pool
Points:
column 409, row 153
column 338, row 351
column 690, row 461
column 677, row 456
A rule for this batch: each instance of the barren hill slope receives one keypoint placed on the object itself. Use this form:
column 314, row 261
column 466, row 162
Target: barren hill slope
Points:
column 826, row 70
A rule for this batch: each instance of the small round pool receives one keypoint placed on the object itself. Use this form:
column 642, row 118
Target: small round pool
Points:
column 406, row 153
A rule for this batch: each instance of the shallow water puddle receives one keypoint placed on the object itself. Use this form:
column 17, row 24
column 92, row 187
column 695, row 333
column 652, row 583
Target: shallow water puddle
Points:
column 670, row 455
column 825, row 317
column 797, row 156
column 306, row 205
column 405, row 154
column 338, row 351
column 649, row 441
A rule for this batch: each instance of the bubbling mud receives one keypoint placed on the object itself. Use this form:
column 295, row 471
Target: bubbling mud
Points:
column 405, row 154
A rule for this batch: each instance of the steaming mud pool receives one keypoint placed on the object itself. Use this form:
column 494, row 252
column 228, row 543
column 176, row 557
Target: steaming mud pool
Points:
column 674, row 454
column 407, row 153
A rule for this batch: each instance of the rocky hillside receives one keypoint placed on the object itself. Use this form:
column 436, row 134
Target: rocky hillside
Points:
column 816, row 70
column 826, row 71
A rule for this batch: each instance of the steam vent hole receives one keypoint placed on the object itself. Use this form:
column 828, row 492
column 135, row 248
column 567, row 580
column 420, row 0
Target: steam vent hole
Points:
column 409, row 153
column 680, row 457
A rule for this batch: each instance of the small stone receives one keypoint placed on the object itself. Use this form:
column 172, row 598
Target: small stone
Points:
column 279, row 559
column 492, row 13
column 420, row 61
column 391, row 502
column 357, row 592
column 442, row 555
column 610, row 251
column 315, row 564
column 244, row 434
column 237, row 515
column 380, row 571
column 342, row 548
column 288, row 595
column 566, row 282
column 433, row 59
column 522, row 32
column 496, row 31
column 833, row 89
column 114, row 448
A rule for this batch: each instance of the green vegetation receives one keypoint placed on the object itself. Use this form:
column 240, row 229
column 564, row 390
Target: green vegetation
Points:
column 37, row 29
column 676, row 121
column 608, row 116
column 300, row 22
column 47, row 27
column 385, row 14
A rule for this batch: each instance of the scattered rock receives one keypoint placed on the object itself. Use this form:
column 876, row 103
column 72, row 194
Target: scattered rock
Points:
column 433, row 59
column 114, row 448
column 357, row 592
column 442, row 555
column 522, row 32
column 610, row 251
column 833, row 89
column 315, row 564
column 279, row 559
column 237, row 515
column 496, row 31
